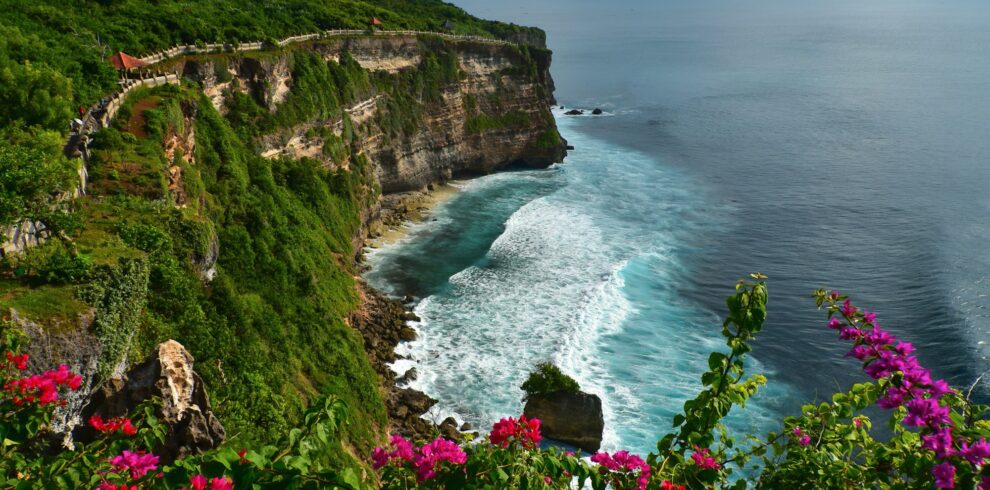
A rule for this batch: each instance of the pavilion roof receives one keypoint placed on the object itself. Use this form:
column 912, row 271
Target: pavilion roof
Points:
column 124, row 61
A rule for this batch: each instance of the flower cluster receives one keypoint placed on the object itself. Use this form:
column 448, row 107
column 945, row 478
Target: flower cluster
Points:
column 704, row 460
column 137, row 463
column 40, row 388
column 18, row 361
column 669, row 485
column 525, row 431
column 113, row 425
column 426, row 460
column 803, row 439
column 199, row 482
column 432, row 455
column 622, row 464
column 910, row 386
column 402, row 452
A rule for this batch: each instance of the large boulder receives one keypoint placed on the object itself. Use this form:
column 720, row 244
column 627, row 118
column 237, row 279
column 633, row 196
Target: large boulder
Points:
column 168, row 375
column 573, row 418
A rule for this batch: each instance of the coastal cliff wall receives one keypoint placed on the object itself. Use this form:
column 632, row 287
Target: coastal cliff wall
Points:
column 495, row 114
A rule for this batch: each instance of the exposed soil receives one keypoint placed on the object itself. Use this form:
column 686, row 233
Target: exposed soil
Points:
column 136, row 124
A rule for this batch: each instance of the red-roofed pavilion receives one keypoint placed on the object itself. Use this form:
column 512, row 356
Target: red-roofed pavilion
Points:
column 124, row 61
column 375, row 21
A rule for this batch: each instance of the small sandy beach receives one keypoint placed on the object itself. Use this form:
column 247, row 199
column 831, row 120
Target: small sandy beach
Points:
column 401, row 211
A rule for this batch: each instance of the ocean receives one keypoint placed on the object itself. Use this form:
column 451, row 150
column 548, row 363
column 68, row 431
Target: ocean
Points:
column 836, row 144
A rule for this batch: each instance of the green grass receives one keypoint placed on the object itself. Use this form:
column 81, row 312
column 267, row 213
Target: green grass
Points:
column 55, row 307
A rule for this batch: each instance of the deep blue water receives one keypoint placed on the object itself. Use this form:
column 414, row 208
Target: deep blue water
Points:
column 830, row 144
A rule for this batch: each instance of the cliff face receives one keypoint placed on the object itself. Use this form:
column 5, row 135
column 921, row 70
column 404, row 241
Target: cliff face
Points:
column 496, row 114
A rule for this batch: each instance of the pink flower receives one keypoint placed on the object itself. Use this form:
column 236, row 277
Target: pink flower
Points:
column 138, row 463
column 402, row 453
column 198, row 482
column 221, row 484
column 622, row 465
column 431, row 456
column 703, row 460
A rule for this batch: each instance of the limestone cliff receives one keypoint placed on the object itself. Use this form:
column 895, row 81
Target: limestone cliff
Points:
column 496, row 114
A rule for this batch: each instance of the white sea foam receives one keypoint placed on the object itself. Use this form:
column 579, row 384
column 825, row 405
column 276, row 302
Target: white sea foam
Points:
column 555, row 285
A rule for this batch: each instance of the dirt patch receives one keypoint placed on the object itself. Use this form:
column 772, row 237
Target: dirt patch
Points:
column 136, row 124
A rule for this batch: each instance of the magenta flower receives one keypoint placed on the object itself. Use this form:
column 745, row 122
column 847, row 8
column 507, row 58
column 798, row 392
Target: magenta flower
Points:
column 402, row 452
column 848, row 310
column 433, row 455
column 622, row 463
column 939, row 387
column 975, row 453
column 138, row 463
column 945, row 475
column 940, row 442
column 703, row 460
column 925, row 412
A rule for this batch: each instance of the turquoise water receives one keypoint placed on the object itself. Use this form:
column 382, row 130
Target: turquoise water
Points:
column 579, row 264
column 840, row 144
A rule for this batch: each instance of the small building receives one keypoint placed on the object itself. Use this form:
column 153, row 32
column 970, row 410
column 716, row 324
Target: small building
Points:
column 375, row 22
column 125, row 62
column 448, row 25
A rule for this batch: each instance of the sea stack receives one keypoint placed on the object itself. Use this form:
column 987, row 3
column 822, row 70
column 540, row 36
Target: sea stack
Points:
column 572, row 418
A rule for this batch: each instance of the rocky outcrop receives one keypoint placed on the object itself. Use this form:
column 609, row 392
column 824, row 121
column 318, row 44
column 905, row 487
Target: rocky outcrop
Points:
column 573, row 418
column 168, row 375
column 382, row 323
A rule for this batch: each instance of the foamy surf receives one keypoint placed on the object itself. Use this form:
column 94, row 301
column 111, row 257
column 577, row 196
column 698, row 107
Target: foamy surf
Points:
column 577, row 264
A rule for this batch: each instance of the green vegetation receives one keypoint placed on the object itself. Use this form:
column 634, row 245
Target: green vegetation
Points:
column 246, row 261
column 31, row 183
column 548, row 378
column 61, row 48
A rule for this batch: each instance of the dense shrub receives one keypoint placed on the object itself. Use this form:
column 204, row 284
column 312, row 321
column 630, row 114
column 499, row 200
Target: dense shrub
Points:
column 548, row 378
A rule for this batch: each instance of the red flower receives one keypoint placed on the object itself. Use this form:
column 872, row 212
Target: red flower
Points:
column 112, row 425
column 199, row 482
column 669, row 485
column 525, row 431
column 19, row 362
column 128, row 429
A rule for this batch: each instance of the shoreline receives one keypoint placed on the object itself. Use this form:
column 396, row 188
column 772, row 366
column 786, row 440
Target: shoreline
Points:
column 402, row 211
column 384, row 321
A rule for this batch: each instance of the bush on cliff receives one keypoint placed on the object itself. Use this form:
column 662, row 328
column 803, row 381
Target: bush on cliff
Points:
column 548, row 378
